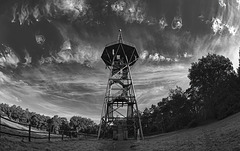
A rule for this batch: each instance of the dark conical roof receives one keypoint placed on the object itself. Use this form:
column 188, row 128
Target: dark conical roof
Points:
column 127, row 53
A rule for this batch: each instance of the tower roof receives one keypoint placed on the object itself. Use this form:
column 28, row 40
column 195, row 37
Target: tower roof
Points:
column 125, row 52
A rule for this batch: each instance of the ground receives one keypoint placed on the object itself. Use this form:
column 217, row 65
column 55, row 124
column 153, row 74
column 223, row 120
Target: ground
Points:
column 223, row 135
column 10, row 144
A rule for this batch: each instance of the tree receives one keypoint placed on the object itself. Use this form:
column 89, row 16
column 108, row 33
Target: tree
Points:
column 172, row 113
column 176, row 110
column 43, row 122
column 64, row 125
column 81, row 124
column 56, row 123
column 50, row 124
column 228, row 97
column 206, row 76
column 4, row 108
column 197, row 105
column 34, row 120
column 146, row 119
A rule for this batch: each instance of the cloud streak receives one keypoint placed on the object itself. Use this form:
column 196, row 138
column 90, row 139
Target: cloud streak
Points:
column 50, row 50
column 28, row 11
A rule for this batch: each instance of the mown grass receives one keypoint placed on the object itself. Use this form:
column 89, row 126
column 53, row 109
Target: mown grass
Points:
column 15, row 144
column 223, row 135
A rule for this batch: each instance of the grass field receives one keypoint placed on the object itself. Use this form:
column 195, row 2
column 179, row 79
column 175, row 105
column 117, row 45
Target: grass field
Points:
column 16, row 144
column 223, row 135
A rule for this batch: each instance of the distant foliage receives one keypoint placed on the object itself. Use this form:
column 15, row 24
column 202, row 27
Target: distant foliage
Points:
column 209, row 77
column 214, row 93
column 172, row 113
column 54, row 124
column 81, row 124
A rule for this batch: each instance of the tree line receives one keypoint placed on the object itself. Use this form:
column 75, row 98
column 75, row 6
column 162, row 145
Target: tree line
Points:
column 53, row 124
column 213, row 94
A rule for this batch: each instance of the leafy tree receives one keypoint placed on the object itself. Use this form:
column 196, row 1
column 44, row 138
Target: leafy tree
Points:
column 64, row 125
column 81, row 124
column 4, row 108
column 228, row 97
column 50, row 124
column 43, row 122
column 34, row 120
column 214, row 93
column 197, row 105
column 176, row 110
column 206, row 76
column 172, row 113
column 146, row 119
column 56, row 123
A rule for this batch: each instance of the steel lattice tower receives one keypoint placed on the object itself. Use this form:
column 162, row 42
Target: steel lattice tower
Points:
column 120, row 110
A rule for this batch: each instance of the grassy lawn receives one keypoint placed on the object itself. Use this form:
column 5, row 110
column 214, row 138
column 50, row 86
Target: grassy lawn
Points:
column 13, row 143
column 223, row 135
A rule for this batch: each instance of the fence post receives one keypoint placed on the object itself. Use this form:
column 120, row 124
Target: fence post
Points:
column 62, row 134
column 29, row 133
column 49, row 135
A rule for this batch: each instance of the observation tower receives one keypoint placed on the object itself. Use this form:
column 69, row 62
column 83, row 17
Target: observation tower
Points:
column 120, row 118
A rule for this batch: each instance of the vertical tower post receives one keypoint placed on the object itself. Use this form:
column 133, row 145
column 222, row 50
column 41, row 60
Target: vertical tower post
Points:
column 120, row 117
column 238, row 69
column 239, row 57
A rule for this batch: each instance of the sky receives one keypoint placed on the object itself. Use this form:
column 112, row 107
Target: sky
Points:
column 50, row 50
